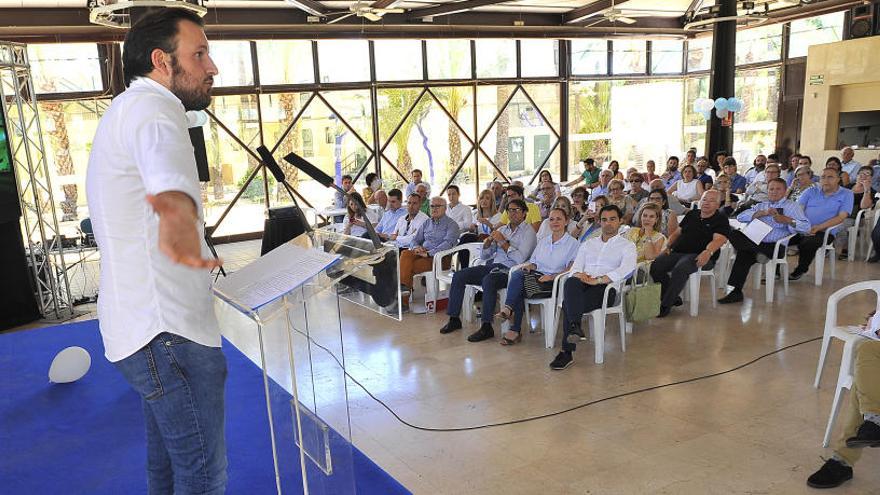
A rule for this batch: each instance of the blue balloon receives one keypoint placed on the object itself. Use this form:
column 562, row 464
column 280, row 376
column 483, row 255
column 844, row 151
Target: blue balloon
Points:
column 707, row 114
column 721, row 104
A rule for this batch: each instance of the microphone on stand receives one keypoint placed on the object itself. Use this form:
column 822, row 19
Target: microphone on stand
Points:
column 270, row 163
column 327, row 181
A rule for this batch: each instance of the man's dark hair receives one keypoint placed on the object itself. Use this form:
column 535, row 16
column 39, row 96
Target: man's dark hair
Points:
column 453, row 186
column 779, row 180
column 156, row 29
column 590, row 161
column 613, row 208
column 396, row 193
column 517, row 189
column 346, row 176
column 836, row 172
column 720, row 153
column 869, row 168
column 673, row 157
column 518, row 202
column 415, row 195
column 416, row 170
column 370, row 178
column 729, row 161
column 773, row 156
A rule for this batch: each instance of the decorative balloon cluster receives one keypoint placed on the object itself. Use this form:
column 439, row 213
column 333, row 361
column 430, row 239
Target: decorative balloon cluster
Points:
column 721, row 106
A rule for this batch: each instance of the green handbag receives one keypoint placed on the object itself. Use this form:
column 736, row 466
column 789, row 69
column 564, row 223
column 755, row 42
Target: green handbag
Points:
column 642, row 302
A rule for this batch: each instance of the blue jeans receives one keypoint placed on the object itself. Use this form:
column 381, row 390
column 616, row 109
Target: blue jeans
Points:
column 481, row 275
column 516, row 299
column 181, row 384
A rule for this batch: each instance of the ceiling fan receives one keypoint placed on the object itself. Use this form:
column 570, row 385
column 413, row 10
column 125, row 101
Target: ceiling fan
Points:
column 613, row 15
column 364, row 10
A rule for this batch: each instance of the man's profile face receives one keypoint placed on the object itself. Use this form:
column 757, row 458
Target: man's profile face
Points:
column 192, row 70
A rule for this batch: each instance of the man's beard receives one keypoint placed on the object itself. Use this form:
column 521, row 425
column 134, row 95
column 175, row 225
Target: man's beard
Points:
column 188, row 89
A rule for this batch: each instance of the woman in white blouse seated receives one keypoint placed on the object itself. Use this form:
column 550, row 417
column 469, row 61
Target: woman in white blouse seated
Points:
column 353, row 224
column 688, row 188
column 552, row 256
column 565, row 204
column 486, row 215
column 647, row 238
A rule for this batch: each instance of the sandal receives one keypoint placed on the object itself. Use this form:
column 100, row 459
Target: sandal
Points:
column 505, row 313
column 515, row 340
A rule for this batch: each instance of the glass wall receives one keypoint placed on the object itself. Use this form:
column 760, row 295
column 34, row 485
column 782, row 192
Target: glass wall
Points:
column 456, row 129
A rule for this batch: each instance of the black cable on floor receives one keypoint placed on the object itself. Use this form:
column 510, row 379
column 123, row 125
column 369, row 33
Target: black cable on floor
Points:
column 563, row 411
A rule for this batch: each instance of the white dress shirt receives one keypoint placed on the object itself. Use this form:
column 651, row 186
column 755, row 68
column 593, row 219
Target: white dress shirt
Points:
column 615, row 258
column 407, row 229
column 462, row 214
column 142, row 147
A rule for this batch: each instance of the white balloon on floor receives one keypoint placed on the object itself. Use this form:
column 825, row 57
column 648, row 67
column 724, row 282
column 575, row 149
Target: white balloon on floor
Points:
column 69, row 365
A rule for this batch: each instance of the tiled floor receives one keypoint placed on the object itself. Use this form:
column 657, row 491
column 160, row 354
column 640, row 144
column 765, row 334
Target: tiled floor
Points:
column 756, row 430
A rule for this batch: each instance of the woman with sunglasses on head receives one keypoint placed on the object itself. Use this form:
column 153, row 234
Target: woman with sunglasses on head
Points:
column 648, row 239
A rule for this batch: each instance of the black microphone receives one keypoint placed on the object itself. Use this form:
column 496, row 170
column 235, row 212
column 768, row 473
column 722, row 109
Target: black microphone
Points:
column 311, row 170
column 271, row 164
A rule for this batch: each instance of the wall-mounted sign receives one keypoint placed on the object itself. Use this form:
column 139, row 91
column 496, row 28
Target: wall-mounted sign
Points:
column 817, row 79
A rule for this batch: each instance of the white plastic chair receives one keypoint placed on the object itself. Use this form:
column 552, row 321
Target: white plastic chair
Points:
column 853, row 234
column 693, row 289
column 833, row 330
column 826, row 249
column 438, row 274
column 549, row 312
column 769, row 268
column 871, row 239
column 599, row 316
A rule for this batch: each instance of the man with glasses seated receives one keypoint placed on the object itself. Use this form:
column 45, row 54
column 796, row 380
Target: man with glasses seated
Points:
column 548, row 196
column 600, row 260
column 826, row 207
column 408, row 225
column 437, row 234
column 785, row 217
column 533, row 216
column 510, row 245
column 692, row 246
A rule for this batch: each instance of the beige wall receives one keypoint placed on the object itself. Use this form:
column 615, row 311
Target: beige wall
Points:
column 851, row 83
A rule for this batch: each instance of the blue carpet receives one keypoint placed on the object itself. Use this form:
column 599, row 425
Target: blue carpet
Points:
column 88, row 436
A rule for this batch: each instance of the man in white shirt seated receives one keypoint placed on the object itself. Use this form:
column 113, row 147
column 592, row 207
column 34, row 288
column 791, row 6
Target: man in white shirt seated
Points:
column 785, row 216
column 416, row 180
column 756, row 172
column 600, row 261
column 847, row 163
column 460, row 212
column 395, row 211
column 408, row 225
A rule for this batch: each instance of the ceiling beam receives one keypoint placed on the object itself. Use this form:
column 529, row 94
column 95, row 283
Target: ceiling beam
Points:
column 452, row 8
column 591, row 9
column 660, row 23
column 309, row 6
column 383, row 4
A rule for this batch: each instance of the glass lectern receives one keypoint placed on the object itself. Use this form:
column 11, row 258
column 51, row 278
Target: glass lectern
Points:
column 296, row 340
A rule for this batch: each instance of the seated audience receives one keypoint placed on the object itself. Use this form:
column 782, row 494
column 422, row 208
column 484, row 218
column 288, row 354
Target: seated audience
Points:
column 672, row 175
column 423, row 191
column 460, row 212
column 756, row 192
column 803, row 180
column 848, row 163
column 863, row 199
column 408, row 225
column 729, row 200
column 590, row 175
column 485, row 216
column 497, row 189
column 738, row 182
column 826, row 207
column 510, row 245
column 544, row 176
column 649, row 241
column 552, row 256
column 786, row 170
column 600, row 261
column 380, row 198
column 651, row 174
column 437, row 234
column 564, row 204
column 588, row 226
column 756, row 172
column 614, row 167
column 636, row 191
column 687, row 189
column 353, row 224
column 625, row 203
column 832, row 162
column 533, row 217
column 393, row 212
column 416, row 180
column 862, row 422
column 694, row 245
column 605, row 177
column 548, row 196
column 668, row 218
column 785, row 216
column 374, row 183
column 578, row 203
column 704, row 173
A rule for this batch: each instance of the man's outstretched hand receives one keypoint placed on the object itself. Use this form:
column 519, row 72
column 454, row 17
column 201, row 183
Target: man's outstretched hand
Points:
column 178, row 233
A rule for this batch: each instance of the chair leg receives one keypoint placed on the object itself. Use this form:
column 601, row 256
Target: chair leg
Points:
column 694, row 293
column 550, row 331
column 784, row 266
column 820, row 265
column 714, row 293
column 622, row 318
column 835, row 407
column 599, row 337
column 770, row 278
column 755, row 273
column 851, row 243
column 833, row 263
column 822, row 354
column 467, row 306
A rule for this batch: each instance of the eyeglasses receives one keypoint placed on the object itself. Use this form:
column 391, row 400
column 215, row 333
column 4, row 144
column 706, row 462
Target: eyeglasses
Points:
column 437, row 206
column 512, row 210
column 655, row 198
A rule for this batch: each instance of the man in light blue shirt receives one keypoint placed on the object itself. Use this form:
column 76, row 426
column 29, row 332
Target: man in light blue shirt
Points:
column 738, row 183
column 395, row 210
column 784, row 216
column 605, row 177
column 510, row 245
column 847, row 164
column 416, row 180
column 439, row 233
column 826, row 207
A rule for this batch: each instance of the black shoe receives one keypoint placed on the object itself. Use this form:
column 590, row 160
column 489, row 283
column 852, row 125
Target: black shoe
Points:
column 868, row 435
column 563, row 360
column 735, row 296
column 484, row 333
column 874, row 259
column 678, row 302
column 664, row 312
column 575, row 334
column 452, row 325
column 796, row 275
column 831, row 475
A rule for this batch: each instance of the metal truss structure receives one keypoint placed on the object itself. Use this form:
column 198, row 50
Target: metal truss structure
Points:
column 41, row 231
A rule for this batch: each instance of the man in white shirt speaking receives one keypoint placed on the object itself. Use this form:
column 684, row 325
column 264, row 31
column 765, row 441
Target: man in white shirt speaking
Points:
column 156, row 310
